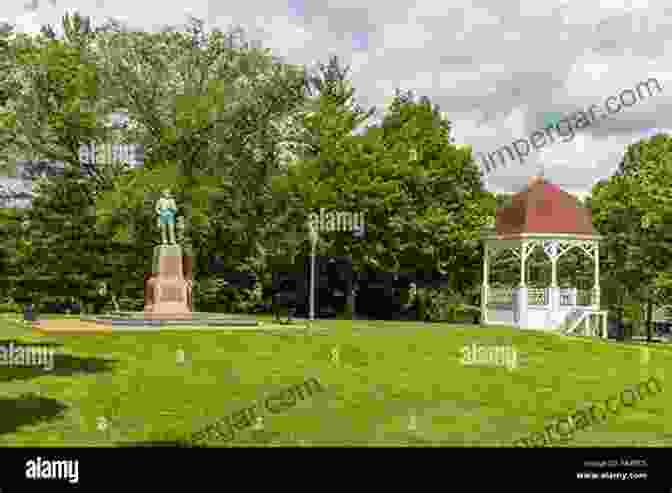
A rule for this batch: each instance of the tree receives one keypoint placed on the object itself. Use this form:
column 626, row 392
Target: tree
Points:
column 441, row 205
column 212, row 113
column 633, row 209
column 66, row 253
column 422, row 197
column 57, row 103
column 323, row 129
column 11, row 252
column 194, row 94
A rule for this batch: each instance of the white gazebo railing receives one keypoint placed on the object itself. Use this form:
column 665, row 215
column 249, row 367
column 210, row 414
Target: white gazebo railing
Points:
column 537, row 296
column 569, row 297
column 576, row 297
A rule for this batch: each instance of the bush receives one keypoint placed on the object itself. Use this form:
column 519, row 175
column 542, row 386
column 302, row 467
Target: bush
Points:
column 125, row 305
column 265, row 306
column 422, row 306
column 632, row 311
column 441, row 305
column 214, row 295
column 10, row 307
column 460, row 313
column 60, row 308
column 206, row 293
column 239, row 300
column 132, row 304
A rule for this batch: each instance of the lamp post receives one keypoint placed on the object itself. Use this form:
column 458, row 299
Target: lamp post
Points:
column 313, row 239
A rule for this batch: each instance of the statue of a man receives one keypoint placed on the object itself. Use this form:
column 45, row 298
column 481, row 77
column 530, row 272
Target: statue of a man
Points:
column 166, row 209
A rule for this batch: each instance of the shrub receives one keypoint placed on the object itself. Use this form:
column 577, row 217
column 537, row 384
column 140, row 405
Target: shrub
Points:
column 126, row 304
column 433, row 304
column 421, row 303
column 10, row 307
column 442, row 305
column 214, row 295
column 461, row 313
column 240, row 300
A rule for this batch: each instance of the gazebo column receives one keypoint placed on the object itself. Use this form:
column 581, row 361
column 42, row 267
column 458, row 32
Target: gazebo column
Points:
column 485, row 287
column 554, row 289
column 522, row 289
column 553, row 306
column 596, row 287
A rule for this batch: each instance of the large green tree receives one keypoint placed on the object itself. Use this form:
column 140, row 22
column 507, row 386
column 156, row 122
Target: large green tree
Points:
column 62, row 252
column 56, row 102
column 633, row 210
column 422, row 197
column 439, row 205
column 11, row 251
column 54, row 105
column 215, row 115
column 321, row 144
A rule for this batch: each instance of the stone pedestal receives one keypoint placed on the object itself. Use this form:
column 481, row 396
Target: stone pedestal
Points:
column 168, row 293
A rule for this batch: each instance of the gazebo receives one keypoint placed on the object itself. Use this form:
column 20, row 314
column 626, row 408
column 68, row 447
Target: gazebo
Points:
column 546, row 217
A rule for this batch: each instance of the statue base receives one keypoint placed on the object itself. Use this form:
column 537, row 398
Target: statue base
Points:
column 168, row 292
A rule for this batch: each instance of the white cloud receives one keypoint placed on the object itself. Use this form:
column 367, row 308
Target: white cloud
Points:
column 26, row 23
column 405, row 36
column 284, row 36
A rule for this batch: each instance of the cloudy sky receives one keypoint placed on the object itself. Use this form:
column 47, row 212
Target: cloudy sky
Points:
column 499, row 70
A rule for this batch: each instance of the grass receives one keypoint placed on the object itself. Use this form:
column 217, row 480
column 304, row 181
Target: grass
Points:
column 129, row 389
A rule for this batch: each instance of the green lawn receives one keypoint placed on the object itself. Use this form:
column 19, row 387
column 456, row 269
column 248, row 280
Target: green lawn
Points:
column 388, row 373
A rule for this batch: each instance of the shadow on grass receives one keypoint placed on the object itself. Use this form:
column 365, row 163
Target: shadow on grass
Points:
column 28, row 409
column 63, row 364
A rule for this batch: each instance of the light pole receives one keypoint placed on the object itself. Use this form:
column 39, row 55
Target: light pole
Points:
column 313, row 239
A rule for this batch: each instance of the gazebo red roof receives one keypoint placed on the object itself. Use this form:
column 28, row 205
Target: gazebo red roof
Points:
column 543, row 208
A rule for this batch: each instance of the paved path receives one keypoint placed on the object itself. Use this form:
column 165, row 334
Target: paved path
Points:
column 72, row 326
column 76, row 326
